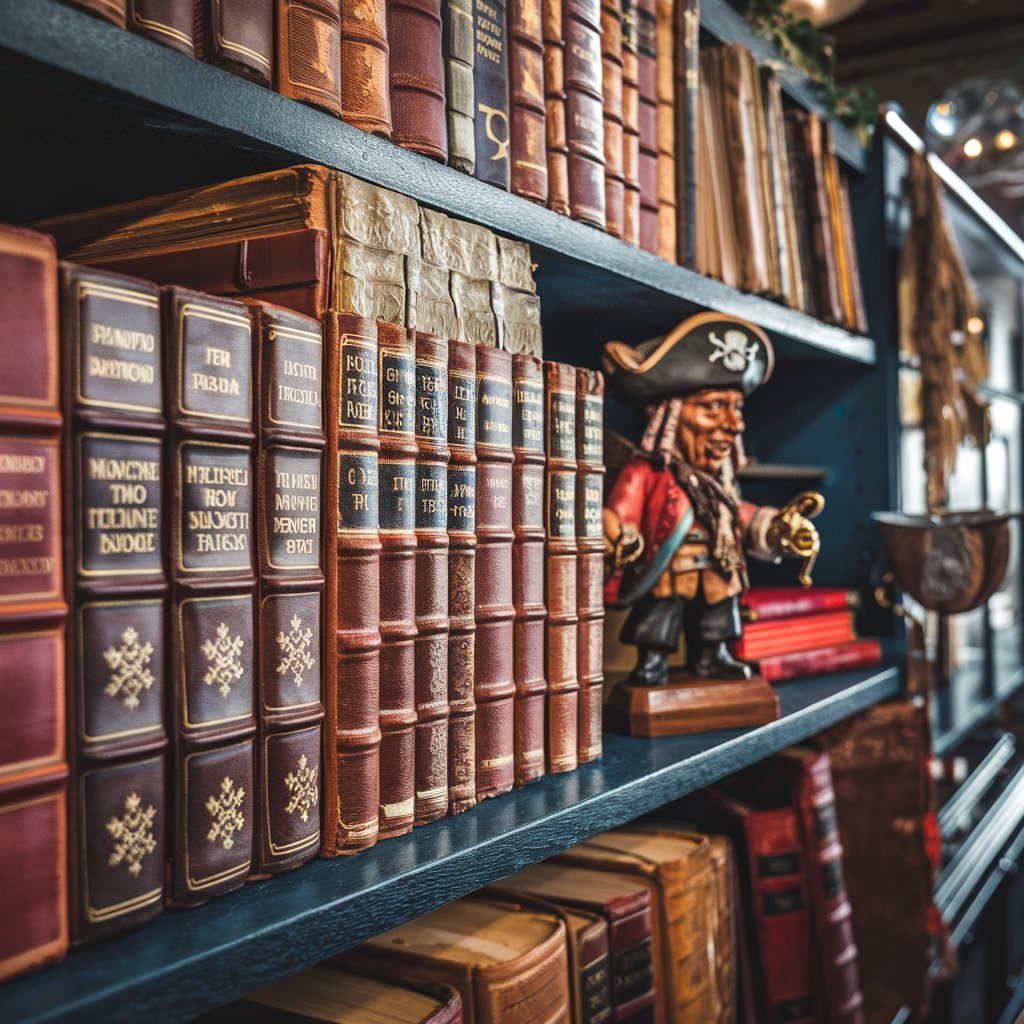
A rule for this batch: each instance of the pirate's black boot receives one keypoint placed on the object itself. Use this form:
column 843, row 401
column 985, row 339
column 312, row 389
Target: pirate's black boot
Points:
column 651, row 668
column 716, row 660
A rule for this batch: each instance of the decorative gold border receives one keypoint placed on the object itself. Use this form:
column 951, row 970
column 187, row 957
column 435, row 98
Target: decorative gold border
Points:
column 267, row 518
column 311, row 338
column 307, row 841
column 237, row 47
column 443, row 467
column 162, row 29
column 216, row 316
column 361, row 531
column 403, row 354
column 489, row 444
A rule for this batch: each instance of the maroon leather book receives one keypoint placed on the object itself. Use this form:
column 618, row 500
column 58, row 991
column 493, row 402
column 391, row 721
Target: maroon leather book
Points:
column 687, row 106
column 584, row 110
column 854, row 654
column 611, row 90
column 528, row 558
column 561, row 584
column 461, row 576
column 590, row 561
column 493, row 687
column 288, row 361
column 238, row 35
column 553, row 32
column 33, row 768
column 631, row 17
column 647, row 109
column 365, row 79
column 527, row 110
column 352, row 678
column 307, row 52
column 431, row 422
column 212, row 636
column 760, row 604
column 416, row 74
column 171, row 22
column 109, row 10
column 114, row 505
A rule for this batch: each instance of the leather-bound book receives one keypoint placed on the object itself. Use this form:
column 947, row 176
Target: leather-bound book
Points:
column 647, row 120
column 109, row 10
column 494, row 689
column 432, row 622
column 590, row 561
column 365, row 78
column 561, row 577
column 473, row 259
column 416, row 76
column 611, row 89
column 723, row 925
column 631, row 121
column 686, row 126
column 797, row 633
column 33, row 765
column 307, row 52
column 458, row 46
column 238, row 35
column 553, row 31
column 212, row 635
column 803, row 249
column 289, row 364
column 171, row 22
column 397, row 521
column 508, row 965
column 668, row 143
column 527, row 109
column 429, row 305
column 490, row 93
column 461, row 576
column 516, row 293
column 584, row 110
column 765, row 604
column 625, row 904
column 528, row 557
column 859, row 320
column 114, row 505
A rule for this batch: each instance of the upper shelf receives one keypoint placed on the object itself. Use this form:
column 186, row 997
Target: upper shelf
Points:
column 185, row 963
column 97, row 115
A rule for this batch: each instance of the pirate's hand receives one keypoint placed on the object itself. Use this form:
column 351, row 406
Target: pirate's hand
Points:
column 622, row 543
column 792, row 533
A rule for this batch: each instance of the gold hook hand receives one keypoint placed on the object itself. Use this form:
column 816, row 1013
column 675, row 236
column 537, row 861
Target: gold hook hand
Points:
column 793, row 533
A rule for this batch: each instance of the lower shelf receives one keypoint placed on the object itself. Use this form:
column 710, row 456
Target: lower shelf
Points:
column 185, row 963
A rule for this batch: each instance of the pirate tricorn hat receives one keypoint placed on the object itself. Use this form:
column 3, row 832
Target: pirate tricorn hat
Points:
column 708, row 350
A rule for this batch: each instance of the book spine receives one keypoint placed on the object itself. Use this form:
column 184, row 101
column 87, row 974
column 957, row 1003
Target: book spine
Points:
column 461, row 576
column 416, row 73
column 528, row 567
column 397, row 522
column 860, row 316
column 561, row 584
column 594, row 967
column 490, row 93
column 288, row 358
column 804, row 257
column 668, row 215
column 117, row 582
column 365, row 95
column 307, row 54
column 631, row 120
column 611, row 90
column 767, row 639
column 584, row 110
column 33, row 765
column 590, row 560
column 459, row 46
column 632, row 969
column 352, row 676
column 494, row 689
column 109, row 10
column 432, row 554
column 528, row 118
column 238, row 35
column 553, row 31
column 763, row 606
column 687, row 119
column 212, row 636
column 647, row 113
column 170, row 22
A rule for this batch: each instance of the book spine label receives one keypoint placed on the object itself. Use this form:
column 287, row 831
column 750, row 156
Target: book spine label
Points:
column 365, row 95
column 666, row 130
column 164, row 21
column 633, row 981
column 529, row 172
column 493, row 687
column 584, row 114
column 553, row 34
column 647, row 123
column 239, row 35
column 490, row 93
column 631, row 17
column 611, row 89
column 307, row 55
column 458, row 43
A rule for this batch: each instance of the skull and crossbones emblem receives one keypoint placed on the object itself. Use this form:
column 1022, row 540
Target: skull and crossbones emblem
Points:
column 732, row 349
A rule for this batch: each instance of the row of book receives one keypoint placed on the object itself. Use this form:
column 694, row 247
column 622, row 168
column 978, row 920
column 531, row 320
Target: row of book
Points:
column 286, row 584
column 608, row 112
column 652, row 922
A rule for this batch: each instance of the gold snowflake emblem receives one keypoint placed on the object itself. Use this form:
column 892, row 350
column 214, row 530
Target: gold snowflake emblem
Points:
column 303, row 788
column 223, row 656
column 129, row 666
column 132, row 834
column 226, row 811
column 296, row 656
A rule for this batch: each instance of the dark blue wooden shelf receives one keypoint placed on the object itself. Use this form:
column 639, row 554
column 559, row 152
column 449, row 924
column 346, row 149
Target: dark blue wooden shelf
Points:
column 187, row 962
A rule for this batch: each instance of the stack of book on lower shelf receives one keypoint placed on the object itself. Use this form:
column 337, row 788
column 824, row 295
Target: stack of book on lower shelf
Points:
column 793, row 632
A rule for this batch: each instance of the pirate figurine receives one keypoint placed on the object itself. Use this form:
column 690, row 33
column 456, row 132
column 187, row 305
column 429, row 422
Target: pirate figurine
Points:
column 676, row 531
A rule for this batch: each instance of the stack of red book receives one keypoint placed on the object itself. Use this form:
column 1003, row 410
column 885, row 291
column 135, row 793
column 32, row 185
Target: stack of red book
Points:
column 794, row 632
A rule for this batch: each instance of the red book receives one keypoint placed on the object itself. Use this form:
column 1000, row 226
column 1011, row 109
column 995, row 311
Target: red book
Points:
column 801, row 633
column 763, row 603
column 856, row 654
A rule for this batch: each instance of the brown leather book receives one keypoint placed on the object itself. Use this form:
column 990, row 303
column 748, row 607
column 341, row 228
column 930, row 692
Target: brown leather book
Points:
column 528, row 567
column 509, row 965
column 723, row 926
column 561, row 577
column 307, row 52
column 527, row 103
column 33, row 765
column 611, row 90
column 647, row 112
column 803, row 249
column 365, row 77
column 494, row 689
column 397, row 522
column 461, row 576
column 458, row 47
column 237, row 35
column 416, row 77
column 631, row 121
column 109, row 10
column 490, row 93
column 515, row 292
column 686, row 71
column 171, row 22
column 590, row 561
column 212, row 638
column 114, row 505
column 859, row 320
column 288, row 360
column 553, row 30
column 668, row 143
column 432, row 621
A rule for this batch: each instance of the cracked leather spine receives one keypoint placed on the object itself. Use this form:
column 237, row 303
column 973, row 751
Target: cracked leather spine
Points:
column 611, row 88
column 527, row 115
column 365, row 78
column 631, row 121
column 307, row 52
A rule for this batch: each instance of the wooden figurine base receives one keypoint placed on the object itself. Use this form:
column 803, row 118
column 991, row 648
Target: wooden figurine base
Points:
column 690, row 704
